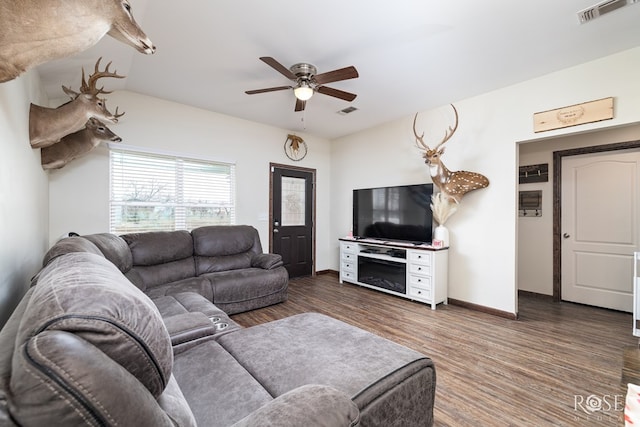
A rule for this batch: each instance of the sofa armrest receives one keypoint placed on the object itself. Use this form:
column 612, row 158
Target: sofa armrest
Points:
column 266, row 261
column 188, row 327
column 310, row 405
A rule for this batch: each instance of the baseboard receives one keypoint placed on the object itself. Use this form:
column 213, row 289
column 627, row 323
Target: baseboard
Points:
column 331, row 272
column 536, row 295
column 483, row 309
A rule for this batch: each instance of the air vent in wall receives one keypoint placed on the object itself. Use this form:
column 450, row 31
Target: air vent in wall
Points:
column 602, row 8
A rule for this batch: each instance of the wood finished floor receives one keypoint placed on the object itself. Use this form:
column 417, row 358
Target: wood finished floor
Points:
column 490, row 371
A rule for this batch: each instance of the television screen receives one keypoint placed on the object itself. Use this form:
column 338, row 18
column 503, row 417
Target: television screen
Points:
column 400, row 213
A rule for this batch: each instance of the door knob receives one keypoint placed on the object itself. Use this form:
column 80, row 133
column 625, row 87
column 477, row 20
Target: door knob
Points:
column 566, row 235
column 275, row 230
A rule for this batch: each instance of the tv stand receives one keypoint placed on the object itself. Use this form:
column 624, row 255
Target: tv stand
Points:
column 409, row 270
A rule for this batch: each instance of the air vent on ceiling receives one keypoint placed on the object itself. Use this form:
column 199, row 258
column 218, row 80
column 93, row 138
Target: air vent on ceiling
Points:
column 347, row 110
column 602, row 8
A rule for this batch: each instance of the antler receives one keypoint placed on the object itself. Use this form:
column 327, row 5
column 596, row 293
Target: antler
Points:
column 90, row 86
column 419, row 139
column 116, row 115
column 447, row 135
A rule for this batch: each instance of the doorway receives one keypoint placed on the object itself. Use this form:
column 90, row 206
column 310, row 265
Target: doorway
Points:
column 599, row 232
column 292, row 217
column 560, row 266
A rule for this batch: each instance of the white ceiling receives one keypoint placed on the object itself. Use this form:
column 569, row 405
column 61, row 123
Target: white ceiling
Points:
column 411, row 55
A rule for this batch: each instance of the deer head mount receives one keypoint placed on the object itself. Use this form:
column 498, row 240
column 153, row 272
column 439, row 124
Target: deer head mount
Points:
column 453, row 184
column 47, row 126
column 34, row 32
column 77, row 145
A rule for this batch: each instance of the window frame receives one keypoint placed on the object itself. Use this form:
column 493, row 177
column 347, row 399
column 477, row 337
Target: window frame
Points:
column 179, row 218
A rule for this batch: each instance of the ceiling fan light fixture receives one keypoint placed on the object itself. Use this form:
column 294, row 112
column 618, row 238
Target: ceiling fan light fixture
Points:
column 303, row 92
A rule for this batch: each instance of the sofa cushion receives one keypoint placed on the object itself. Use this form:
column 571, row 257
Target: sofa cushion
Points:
column 149, row 276
column 224, row 247
column 199, row 285
column 246, row 284
column 61, row 379
column 220, row 240
column 114, row 248
column 159, row 247
column 185, row 302
column 219, row 390
column 214, row 264
column 69, row 245
column 88, row 296
column 309, row 405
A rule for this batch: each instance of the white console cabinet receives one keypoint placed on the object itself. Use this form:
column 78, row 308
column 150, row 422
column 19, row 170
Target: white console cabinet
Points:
column 417, row 272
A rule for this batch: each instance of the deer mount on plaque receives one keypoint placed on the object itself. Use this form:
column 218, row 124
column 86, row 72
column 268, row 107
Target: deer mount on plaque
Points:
column 453, row 185
column 37, row 32
column 75, row 128
column 295, row 148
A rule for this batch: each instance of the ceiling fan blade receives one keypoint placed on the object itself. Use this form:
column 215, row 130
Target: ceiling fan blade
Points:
column 337, row 93
column 300, row 105
column 269, row 89
column 336, row 75
column 278, row 67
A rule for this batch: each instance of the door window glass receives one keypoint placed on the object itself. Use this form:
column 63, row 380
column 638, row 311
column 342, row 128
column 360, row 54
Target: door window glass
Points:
column 293, row 201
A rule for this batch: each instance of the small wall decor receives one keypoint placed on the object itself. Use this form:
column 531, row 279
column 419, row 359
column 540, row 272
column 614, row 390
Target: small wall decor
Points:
column 530, row 203
column 295, row 148
column 533, row 173
column 573, row 115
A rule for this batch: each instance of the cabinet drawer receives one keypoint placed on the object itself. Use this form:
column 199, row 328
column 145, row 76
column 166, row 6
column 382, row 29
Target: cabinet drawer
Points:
column 420, row 281
column 348, row 256
column 348, row 266
column 421, row 293
column 348, row 275
column 348, row 247
column 419, row 269
column 420, row 258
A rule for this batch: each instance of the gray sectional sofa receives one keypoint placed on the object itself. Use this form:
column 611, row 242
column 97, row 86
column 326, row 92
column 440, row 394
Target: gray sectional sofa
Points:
column 225, row 264
column 86, row 346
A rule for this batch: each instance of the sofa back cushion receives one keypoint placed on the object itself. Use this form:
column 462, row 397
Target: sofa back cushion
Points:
column 224, row 247
column 160, row 257
column 86, row 296
column 114, row 248
column 69, row 245
column 61, row 379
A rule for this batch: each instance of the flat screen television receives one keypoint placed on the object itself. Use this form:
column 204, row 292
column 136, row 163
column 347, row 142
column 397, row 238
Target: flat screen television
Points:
column 399, row 213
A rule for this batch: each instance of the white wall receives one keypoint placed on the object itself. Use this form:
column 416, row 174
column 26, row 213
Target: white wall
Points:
column 482, row 259
column 23, row 193
column 535, row 234
column 80, row 191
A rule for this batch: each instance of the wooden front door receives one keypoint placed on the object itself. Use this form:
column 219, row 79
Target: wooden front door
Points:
column 600, row 204
column 292, row 218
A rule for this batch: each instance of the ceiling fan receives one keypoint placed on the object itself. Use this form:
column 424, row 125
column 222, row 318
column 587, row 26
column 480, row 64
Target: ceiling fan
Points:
column 308, row 81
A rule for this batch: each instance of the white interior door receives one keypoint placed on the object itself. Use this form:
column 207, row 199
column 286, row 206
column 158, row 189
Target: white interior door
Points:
column 599, row 228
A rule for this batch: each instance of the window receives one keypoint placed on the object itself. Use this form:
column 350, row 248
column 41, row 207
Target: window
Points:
column 155, row 192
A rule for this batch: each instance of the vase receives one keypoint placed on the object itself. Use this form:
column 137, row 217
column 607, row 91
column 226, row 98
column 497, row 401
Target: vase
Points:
column 441, row 233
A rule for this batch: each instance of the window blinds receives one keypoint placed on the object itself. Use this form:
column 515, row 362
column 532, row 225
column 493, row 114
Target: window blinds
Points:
column 153, row 192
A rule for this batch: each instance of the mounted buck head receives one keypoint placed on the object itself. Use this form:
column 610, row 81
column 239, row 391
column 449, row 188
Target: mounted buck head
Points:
column 48, row 125
column 77, row 145
column 453, row 184
column 34, row 32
